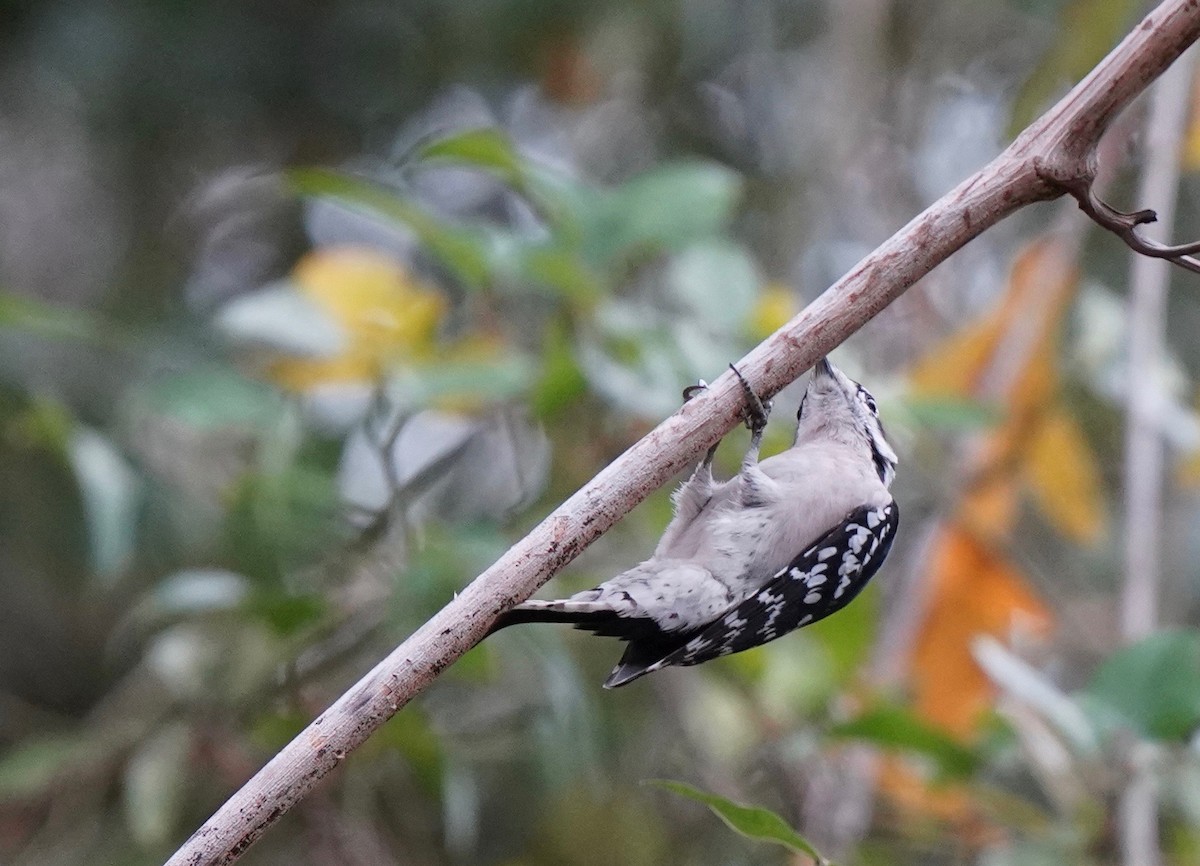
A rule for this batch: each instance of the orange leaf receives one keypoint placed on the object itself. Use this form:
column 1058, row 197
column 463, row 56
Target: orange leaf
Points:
column 915, row 796
column 1001, row 355
column 910, row 792
column 1063, row 476
column 1009, row 355
column 989, row 506
column 975, row 591
column 954, row 366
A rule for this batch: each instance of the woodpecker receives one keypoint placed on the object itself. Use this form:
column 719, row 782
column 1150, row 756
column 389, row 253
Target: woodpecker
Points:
column 784, row 543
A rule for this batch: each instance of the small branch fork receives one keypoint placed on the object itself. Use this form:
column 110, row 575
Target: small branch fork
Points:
column 1124, row 225
column 1053, row 156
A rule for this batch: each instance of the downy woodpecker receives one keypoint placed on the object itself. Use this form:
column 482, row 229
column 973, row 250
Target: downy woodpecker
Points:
column 784, row 543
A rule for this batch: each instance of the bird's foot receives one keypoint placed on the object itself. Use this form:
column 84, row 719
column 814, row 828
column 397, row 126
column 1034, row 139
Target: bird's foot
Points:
column 692, row 390
column 756, row 411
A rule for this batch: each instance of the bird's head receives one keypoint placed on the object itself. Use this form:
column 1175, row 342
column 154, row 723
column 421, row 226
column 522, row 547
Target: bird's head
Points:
column 836, row 407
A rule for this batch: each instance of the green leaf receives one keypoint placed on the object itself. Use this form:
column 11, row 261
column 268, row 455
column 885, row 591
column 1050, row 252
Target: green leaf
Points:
column 753, row 822
column 897, row 728
column 552, row 194
column 667, row 208
column 461, row 249
column 484, row 148
column 954, row 414
column 1154, row 685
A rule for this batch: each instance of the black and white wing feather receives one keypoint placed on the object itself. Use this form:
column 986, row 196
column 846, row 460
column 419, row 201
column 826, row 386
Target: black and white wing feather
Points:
column 819, row 582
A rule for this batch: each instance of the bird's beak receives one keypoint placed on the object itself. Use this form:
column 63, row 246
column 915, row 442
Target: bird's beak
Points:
column 823, row 368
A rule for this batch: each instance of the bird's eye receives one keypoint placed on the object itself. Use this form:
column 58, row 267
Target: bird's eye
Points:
column 870, row 401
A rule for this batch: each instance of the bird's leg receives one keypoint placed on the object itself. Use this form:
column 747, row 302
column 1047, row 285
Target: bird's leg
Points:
column 755, row 414
column 695, row 493
column 688, row 393
column 756, row 485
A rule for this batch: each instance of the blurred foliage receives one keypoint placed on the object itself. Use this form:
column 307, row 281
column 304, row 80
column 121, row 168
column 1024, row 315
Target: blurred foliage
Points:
column 753, row 822
column 307, row 312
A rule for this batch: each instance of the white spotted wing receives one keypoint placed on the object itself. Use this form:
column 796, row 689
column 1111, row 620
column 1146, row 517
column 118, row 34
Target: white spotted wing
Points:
column 819, row 582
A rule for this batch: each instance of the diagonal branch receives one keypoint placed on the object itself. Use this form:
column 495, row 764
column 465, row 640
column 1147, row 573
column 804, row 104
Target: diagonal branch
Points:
column 1056, row 149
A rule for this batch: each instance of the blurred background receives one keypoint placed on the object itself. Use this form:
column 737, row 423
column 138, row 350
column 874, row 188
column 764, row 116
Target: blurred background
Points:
column 309, row 310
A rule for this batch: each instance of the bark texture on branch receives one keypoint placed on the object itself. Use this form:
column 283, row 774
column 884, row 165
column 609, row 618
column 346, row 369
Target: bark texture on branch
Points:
column 1054, row 152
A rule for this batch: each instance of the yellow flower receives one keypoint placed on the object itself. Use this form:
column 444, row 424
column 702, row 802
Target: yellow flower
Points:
column 775, row 306
column 387, row 316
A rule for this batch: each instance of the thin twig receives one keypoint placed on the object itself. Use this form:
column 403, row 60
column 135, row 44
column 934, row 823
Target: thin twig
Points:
column 1059, row 146
column 1124, row 225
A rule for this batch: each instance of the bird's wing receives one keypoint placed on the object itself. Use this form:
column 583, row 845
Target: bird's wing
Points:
column 820, row 581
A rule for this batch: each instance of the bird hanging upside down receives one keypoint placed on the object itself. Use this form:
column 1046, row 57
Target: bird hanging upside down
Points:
column 784, row 543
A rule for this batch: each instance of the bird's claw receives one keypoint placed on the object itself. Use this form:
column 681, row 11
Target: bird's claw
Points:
column 692, row 390
column 756, row 411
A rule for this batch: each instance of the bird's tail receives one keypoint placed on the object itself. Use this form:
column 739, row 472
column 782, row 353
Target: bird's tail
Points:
column 635, row 663
column 591, row 615
column 648, row 645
